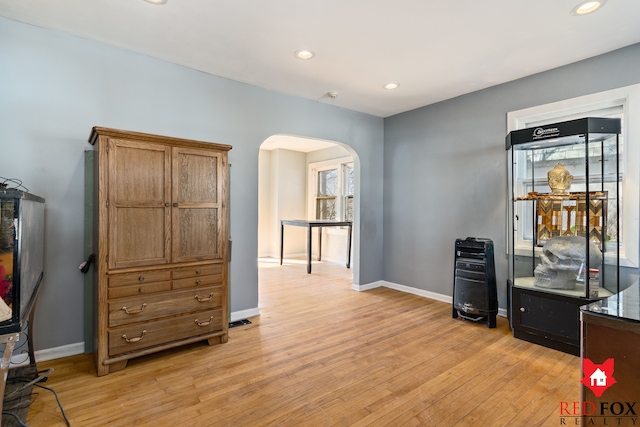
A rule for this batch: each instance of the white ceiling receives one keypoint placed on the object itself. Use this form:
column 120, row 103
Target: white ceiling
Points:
column 435, row 49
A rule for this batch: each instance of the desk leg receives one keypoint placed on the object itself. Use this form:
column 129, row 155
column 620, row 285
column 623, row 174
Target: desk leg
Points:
column 309, row 242
column 349, row 247
column 319, row 243
column 281, row 241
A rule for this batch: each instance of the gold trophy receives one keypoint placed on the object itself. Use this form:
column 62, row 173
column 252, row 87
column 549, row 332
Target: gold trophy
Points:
column 559, row 179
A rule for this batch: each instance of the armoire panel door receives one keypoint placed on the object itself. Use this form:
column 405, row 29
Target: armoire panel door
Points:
column 139, row 205
column 197, row 204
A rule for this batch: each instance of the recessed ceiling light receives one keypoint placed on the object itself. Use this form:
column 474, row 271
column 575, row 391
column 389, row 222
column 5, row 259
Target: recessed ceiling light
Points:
column 156, row 1
column 586, row 7
column 391, row 86
column 304, row 54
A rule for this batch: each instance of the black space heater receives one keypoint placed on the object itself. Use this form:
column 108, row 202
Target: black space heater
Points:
column 474, row 281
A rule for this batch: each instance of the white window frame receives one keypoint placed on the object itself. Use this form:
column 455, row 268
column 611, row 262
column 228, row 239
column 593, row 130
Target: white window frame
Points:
column 628, row 98
column 344, row 171
column 312, row 180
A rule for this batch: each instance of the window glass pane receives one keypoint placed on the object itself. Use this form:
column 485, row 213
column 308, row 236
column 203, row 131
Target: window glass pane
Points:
column 328, row 182
column 326, row 208
column 348, row 215
column 350, row 183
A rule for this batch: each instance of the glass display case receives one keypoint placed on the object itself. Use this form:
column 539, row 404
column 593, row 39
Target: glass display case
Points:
column 21, row 256
column 564, row 223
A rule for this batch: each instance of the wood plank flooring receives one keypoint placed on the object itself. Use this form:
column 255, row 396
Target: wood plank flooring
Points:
column 321, row 354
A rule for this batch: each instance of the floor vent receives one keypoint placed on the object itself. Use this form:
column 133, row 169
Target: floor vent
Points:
column 239, row 323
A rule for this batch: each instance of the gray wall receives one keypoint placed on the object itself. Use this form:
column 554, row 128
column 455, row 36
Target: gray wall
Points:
column 54, row 87
column 446, row 171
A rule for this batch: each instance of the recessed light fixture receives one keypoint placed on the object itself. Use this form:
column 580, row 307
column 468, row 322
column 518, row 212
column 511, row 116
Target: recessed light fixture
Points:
column 304, row 54
column 586, row 7
column 156, row 1
column 391, row 86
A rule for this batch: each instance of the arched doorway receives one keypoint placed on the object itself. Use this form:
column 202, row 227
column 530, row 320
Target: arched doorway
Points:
column 291, row 170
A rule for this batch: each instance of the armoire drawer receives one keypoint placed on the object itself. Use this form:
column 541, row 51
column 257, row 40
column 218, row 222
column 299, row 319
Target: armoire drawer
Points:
column 194, row 271
column 132, row 338
column 198, row 281
column 142, row 308
column 139, row 278
column 138, row 290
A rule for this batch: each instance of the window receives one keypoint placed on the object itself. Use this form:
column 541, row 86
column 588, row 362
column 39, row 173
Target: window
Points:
column 326, row 194
column 332, row 189
column 347, row 171
column 616, row 104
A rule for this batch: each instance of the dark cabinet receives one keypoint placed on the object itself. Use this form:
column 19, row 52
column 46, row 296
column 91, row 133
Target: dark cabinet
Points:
column 549, row 320
column 611, row 339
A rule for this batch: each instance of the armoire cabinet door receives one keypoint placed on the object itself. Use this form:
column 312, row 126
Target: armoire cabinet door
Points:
column 197, row 203
column 139, row 206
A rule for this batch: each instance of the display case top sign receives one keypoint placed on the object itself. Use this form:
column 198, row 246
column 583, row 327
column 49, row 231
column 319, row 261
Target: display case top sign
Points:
column 563, row 133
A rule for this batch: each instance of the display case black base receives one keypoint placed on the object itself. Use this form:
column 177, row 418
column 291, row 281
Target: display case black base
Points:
column 546, row 342
column 546, row 319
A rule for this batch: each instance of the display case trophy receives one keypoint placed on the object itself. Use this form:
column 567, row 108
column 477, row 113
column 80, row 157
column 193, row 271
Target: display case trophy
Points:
column 559, row 179
column 564, row 213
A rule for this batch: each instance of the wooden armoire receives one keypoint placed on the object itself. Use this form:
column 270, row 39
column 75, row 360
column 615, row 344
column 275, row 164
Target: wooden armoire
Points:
column 162, row 236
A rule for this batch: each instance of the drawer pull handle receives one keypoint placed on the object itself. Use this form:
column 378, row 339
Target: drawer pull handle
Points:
column 200, row 299
column 197, row 271
column 136, row 339
column 141, row 278
column 141, row 289
column 522, row 309
column 126, row 310
column 198, row 281
column 204, row 323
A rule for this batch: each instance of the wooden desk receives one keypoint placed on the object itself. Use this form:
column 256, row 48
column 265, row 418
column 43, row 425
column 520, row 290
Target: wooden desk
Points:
column 319, row 224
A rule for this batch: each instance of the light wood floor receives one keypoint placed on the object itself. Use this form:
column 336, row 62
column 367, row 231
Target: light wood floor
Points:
column 321, row 354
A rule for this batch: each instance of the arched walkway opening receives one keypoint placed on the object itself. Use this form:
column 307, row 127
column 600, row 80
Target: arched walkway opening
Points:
column 301, row 178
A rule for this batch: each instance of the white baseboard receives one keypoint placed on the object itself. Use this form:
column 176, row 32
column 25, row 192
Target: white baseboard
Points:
column 420, row 292
column 244, row 314
column 49, row 354
column 58, row 352
column 368, row 286
column 290, row 255
column 415, row 291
